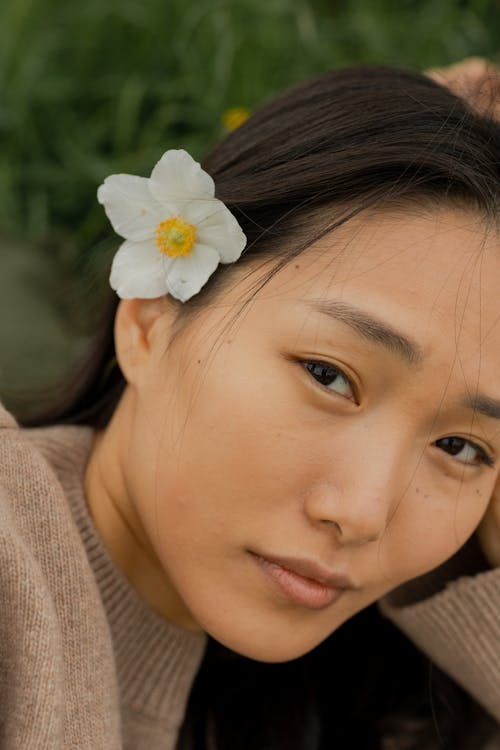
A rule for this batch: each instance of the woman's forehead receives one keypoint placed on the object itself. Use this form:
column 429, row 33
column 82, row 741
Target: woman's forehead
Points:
column 442, row 259
column 435, row 274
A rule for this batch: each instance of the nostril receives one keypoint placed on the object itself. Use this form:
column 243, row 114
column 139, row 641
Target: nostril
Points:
column 337, row 526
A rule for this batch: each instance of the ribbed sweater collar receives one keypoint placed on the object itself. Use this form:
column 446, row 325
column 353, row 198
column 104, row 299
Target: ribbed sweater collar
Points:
column 156, row 661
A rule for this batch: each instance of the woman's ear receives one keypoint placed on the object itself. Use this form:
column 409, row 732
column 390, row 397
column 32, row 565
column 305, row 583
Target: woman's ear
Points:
column 141, row 326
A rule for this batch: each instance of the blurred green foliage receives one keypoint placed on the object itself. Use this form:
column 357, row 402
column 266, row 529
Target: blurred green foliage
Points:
column 89, row 89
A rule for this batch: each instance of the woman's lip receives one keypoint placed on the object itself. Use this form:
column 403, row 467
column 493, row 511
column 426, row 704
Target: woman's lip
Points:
column 303, row 581
column 310, row 569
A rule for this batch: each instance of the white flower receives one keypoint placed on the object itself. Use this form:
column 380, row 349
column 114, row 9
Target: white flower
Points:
column 176, row 233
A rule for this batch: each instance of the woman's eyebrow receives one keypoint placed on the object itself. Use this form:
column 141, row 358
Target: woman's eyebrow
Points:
column 370, row 327
column 489, row 407
column 379, row 332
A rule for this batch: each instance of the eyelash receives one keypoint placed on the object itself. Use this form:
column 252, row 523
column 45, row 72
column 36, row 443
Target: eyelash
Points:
column 483, row 456
column 310, row 364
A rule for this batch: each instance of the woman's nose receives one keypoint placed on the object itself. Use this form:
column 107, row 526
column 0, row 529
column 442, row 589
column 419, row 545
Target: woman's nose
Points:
column 358, row 498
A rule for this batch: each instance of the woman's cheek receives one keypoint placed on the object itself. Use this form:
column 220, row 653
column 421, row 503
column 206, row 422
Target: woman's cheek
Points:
column 425, row 538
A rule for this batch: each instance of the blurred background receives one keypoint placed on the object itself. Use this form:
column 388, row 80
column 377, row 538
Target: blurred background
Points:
column 102, row 86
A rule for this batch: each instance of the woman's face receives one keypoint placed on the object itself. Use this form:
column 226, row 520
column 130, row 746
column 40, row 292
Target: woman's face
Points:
column 346, row 425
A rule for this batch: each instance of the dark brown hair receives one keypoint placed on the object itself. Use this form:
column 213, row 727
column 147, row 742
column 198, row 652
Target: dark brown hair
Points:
column 316, row 155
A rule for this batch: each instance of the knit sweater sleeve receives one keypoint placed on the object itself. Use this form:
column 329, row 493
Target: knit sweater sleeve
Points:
column 453, row 615
column 54, row 691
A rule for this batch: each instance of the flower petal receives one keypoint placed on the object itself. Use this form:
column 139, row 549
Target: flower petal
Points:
column 200, row 210
column 222, row 232
column 129, row 206
column 139, row 270
column 177, row 176
column 189, row 273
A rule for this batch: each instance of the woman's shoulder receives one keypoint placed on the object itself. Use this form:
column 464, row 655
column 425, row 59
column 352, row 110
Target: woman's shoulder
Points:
column 6, row 418
column 40, row 470
column 38, row 465
column 49, row 599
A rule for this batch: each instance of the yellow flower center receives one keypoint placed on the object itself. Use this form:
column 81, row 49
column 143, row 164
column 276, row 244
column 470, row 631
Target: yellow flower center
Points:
column 234, row 117
column 175, row 237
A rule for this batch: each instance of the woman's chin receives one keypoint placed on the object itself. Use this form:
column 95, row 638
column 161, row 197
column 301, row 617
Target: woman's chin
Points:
column 265, row 644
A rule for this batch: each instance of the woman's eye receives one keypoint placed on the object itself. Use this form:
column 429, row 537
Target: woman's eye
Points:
column 464, row 451
column 331, row 377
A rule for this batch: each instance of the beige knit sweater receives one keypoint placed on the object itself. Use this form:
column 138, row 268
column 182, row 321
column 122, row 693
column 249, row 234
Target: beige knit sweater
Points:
column 85, row 664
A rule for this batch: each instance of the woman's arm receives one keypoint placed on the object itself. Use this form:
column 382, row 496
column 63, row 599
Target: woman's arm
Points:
column 474, row 79
column 453, row 616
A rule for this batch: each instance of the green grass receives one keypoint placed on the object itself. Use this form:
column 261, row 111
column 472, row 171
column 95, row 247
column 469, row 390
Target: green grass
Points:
column 104, row 86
